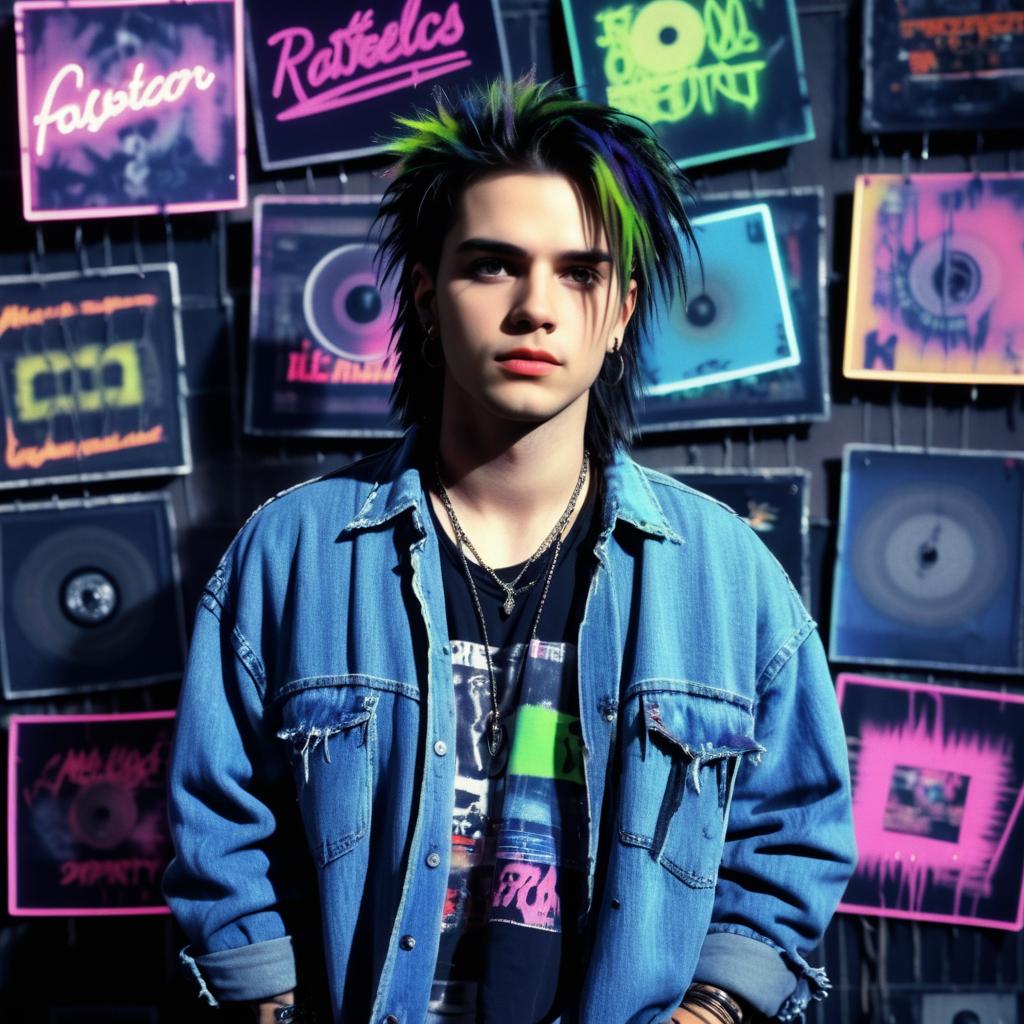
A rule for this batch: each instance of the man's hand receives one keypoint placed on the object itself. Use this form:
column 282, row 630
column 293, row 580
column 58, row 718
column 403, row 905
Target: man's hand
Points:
column 683, row 1016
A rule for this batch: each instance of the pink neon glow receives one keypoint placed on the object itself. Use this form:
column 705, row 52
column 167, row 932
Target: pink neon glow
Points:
column 89, row 870
column 925, row 869
column 305, row 70
column 101, row 106
column 202, row 111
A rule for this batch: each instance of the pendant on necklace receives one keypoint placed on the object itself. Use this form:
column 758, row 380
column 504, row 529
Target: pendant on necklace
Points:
column 495, row 734
column 510, row 603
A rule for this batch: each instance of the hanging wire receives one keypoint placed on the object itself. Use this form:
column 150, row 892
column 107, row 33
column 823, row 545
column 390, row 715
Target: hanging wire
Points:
column 965, row 419
column 750, row 448
column 894, row 407
column 693, row 454
column 791, row 450
column 865, row 422
column 727, row 452
column 83, row 257
column 342, row 177
column 310, row 181
column 929, row 417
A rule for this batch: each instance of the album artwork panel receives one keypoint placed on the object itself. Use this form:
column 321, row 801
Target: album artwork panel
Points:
column 319, row 362
column 87, row 813
column 90, row 369
column 90, row 596
column 716, row 78
column 938, row 786
column 735, row 322
column 795, row 393
column 329, row 80
column 928, row 569
column 130, row 109
column 935, row 272
column 967, row 1008
column 934, row 65
column 775, row 503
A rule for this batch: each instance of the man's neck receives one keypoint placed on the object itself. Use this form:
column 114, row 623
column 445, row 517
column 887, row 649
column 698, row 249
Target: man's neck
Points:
column 509, row 485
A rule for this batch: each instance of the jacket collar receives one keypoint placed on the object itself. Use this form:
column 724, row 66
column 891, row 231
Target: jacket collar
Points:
column 627, row 494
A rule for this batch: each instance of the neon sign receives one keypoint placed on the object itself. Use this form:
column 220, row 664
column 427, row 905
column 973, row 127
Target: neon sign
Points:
column 89, row 375
column 316, row 75
column 101, row 106
column 654, row 67
column 146, row 117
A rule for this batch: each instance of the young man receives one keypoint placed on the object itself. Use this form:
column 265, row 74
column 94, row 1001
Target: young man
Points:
column 561, row 738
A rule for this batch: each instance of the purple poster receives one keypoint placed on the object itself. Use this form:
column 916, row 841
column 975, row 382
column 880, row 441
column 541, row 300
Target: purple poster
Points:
column 938, row 789
column 130, row 108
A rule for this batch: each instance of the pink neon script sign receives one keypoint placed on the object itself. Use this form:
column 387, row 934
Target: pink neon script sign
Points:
column 305, row 70
column 101, row 106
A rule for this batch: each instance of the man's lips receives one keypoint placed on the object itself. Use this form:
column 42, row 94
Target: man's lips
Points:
column 534, row 354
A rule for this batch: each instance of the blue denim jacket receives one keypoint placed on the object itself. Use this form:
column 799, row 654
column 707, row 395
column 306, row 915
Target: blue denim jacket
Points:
column 319, row 682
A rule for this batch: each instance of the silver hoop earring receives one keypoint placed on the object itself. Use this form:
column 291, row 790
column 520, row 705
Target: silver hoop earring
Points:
column 428, row 335
column 621, row 369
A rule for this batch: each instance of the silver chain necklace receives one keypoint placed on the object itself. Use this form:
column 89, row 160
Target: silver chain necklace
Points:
column 510, row 589
column 495, row 730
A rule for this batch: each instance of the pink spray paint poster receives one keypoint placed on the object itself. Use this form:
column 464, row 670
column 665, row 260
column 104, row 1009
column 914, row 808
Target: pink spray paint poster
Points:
column 130, row 108
column 87, row 829
column 938, row 789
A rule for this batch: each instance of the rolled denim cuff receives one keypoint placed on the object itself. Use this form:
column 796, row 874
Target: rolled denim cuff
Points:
column 748, row 968
column 257, row 971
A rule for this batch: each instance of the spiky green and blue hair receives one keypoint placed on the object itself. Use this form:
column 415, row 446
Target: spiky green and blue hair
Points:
column 627, row 182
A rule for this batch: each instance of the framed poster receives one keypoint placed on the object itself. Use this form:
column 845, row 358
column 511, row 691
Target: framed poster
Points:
column 790, row 394
column 320, row 333
column 935, row 271
column 736, row 321
column 91, row 369
column 130, row 108
column 928, row 569
column 943, row 65
column 86, row 814
column 328, row 80
column 938, row 788
column 968, row 1008
column 776, row 505
column 90, row 596
column 716, row 78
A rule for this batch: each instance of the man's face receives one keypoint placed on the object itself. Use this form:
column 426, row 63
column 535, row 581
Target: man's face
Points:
column 524, row 300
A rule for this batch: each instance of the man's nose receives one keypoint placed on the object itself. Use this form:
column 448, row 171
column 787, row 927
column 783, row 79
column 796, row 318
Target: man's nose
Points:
column 534, row 307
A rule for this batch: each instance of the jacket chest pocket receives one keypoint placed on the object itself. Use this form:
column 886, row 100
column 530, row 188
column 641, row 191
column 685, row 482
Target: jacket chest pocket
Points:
column 329, row 733
column 681, row 751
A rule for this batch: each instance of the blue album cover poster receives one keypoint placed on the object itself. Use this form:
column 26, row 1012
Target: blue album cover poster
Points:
column 773, row 502
column 928, row 568
column 791, row 394
column 943, row 65
column 716, row 78
column 91, row 368
column 736, row 321
column 329, row 79
column 319, row 352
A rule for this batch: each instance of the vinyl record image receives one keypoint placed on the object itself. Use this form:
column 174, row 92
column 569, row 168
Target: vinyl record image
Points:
column 943, row 65
column 928, row 571
column 791, row 394
column 937, row 785
column 90, row 597
column 87, row 815
column 320, row 333
column 774, row 502
column 936, row 263
column 737, row 321
column 715, row 78
column 91, row 373
column 345, row 309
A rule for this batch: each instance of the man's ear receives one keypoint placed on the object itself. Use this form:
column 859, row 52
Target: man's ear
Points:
column 424, row 294
column 627, row 309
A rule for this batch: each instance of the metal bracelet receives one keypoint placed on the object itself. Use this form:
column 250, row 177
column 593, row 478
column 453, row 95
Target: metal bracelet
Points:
column 716, row 1000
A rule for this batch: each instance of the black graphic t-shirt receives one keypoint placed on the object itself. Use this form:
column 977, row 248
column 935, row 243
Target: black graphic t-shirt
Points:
column 510, row 932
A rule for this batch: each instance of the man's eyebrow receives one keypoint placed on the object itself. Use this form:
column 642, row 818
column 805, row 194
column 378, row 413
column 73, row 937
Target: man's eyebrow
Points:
column 508, row 249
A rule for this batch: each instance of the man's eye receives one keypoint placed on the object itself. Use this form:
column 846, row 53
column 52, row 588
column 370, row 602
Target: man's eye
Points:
column 488, row 268
column 584, row 276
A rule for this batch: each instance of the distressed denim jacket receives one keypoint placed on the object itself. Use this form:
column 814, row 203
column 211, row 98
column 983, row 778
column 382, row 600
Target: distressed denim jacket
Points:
column 313, row 773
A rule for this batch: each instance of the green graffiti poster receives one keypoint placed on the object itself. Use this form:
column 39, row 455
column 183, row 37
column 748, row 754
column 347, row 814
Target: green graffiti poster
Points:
column 716, row 78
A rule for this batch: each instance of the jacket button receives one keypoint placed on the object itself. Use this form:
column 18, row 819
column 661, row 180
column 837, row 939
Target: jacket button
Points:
column 407, row 942
column 433, row 860
column 440, row 748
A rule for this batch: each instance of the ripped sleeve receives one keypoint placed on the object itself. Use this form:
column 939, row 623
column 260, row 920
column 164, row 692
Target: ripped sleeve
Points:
column 229, row 878
column 789, row 847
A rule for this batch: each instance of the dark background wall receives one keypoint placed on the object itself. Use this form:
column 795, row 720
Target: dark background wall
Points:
column 877, row 967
